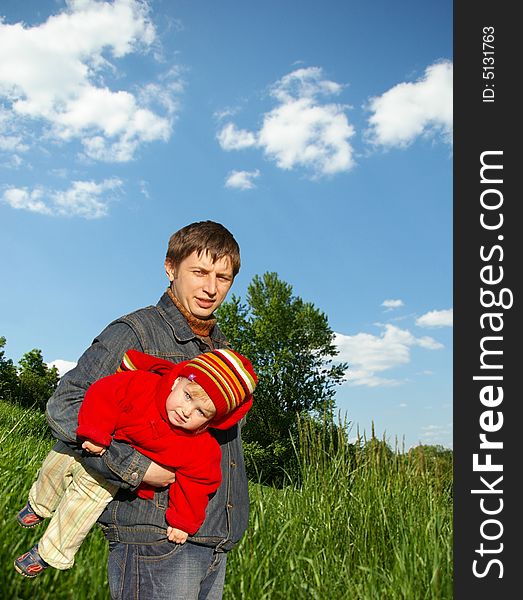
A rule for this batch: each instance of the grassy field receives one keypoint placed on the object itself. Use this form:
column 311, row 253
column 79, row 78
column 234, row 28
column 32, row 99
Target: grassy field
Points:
column 361, row 525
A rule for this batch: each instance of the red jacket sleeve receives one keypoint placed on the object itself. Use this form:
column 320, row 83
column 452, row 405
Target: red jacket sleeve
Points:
column 101, row 408
column 189, row 494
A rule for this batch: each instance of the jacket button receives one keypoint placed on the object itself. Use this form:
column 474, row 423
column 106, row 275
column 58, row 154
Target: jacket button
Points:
column 229, row 505
column 233, row 463
column 134, row 476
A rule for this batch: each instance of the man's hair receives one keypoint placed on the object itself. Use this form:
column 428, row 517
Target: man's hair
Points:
column 204, row 236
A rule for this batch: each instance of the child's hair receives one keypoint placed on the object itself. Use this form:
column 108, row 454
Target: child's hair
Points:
column 201, row 237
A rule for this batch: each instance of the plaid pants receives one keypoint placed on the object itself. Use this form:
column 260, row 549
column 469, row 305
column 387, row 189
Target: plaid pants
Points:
column 74, row 499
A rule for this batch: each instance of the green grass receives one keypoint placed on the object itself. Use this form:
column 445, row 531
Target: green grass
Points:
column 361, row 525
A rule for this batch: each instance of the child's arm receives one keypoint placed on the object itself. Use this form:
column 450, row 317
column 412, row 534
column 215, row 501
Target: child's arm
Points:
column 101, row 408
column 93, row 447
column 121, row 465
column 176, row 535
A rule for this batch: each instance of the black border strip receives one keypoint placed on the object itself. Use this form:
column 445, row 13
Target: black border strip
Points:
column 486, row 256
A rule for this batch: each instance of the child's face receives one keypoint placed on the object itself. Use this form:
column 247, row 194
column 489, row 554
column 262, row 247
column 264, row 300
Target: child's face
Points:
column 188, row 406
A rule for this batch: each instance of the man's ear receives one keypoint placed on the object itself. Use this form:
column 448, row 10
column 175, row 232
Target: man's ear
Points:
column 170, row 271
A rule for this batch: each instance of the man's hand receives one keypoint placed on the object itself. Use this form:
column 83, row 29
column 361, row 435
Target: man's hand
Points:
column 93, row 447
column 176, row 535
column 158, row 476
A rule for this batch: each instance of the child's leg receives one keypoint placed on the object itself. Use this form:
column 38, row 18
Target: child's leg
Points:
column 82, row 503
column 53, row 479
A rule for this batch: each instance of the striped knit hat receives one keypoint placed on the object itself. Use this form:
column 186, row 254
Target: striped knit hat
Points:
column 226, row 376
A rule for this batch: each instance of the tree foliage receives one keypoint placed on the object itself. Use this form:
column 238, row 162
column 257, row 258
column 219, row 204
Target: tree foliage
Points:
column 291, row 347
column 37, row 380
column 32, row 383
column 435, row 460
column 8, row 375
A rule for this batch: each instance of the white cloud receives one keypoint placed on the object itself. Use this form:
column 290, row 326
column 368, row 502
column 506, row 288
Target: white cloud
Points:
column 436, row 318
column 300, row 131
column 226, row 113
column 12, row 143
column 62, row 365
column 435, row 433
column 409, row 110
column 304, row 83
column 86, row 199
column 20, row 198
column 232, row 138
column 52, row 74
column 390, row 304
column 242, row 180
column 369, row 355
column 166, row 93
column 11, row 140
column 144, row 188
column 13, row 161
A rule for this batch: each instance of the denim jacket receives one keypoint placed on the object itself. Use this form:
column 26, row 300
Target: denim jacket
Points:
column 162, row 331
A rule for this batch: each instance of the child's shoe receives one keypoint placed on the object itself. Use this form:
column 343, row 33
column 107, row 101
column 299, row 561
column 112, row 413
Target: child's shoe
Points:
column 28, row 518
column 31, row 563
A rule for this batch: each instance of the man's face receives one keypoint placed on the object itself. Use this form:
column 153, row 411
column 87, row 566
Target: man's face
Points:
column 200, row 284
column 186, row 408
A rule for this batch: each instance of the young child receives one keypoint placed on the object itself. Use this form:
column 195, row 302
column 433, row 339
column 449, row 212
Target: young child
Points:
column 163, row 410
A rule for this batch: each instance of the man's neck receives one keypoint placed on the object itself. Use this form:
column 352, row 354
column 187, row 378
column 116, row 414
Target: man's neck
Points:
column 200, row 327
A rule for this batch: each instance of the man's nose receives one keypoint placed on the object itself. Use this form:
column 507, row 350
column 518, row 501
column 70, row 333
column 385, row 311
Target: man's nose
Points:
column 209, row 285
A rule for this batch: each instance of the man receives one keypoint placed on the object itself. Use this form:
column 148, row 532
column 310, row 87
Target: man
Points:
column 202, row 260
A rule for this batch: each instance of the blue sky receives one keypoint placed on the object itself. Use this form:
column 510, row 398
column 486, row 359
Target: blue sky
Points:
column 320, row 135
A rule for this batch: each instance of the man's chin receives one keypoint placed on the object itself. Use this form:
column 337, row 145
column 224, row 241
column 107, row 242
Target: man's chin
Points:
column 202, row 313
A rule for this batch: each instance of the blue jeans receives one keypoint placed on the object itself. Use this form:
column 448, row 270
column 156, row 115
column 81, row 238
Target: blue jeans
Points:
column 165, row 571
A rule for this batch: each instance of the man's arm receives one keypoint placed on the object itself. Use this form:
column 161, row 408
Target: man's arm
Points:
column 121, row 465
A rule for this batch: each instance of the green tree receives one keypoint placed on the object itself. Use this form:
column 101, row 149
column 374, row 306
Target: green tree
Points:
column 435, row 461
column 291, row 347
column 37, row 380
column 8, row 375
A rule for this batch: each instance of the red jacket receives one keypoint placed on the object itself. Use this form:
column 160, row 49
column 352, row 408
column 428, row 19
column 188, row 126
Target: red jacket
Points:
column 130, row 406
